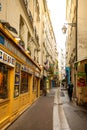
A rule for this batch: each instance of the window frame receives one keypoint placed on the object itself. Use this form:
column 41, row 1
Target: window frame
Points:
column 4, row 78
column 25, row 83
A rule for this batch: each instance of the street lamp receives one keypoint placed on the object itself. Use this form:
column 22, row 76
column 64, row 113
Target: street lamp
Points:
column 64, row 29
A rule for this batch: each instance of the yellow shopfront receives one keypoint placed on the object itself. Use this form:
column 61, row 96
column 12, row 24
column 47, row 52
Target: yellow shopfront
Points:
column 19, row 79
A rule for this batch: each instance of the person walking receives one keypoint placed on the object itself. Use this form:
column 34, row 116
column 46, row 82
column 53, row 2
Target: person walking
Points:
column 44, row 91
column 70, row 90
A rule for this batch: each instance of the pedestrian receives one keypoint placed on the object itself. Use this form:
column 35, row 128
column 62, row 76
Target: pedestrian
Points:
column 70, row 90
column 62, row 84
column 44, row 91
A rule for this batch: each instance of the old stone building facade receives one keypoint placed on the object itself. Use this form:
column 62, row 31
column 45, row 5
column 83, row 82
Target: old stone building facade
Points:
column 76, row 47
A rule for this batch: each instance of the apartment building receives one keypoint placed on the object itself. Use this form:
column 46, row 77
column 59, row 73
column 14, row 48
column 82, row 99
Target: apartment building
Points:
column 61, row 64
column 50, row 51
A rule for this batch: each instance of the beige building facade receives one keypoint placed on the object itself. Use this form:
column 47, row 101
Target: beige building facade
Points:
column 61, row 64
column 76, row 47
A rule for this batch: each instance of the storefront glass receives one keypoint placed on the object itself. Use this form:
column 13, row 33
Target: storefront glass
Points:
column 17, row 79
column 24, row 82
column 34, row 84
column 3, row 81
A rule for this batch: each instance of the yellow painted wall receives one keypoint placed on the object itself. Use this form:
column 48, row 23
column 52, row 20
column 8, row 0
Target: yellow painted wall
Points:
column 12, row 107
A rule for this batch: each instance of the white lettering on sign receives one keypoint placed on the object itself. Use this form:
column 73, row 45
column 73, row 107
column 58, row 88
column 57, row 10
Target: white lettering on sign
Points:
column 6, row 59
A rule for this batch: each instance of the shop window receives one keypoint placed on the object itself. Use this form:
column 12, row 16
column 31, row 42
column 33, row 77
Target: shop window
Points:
column 2, row 40
column 34, row 84
column 17, row 79
column 3, row 81
column 24, row 82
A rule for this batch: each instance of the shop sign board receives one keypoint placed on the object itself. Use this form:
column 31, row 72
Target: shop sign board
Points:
column 27, row 69
column 6, row 59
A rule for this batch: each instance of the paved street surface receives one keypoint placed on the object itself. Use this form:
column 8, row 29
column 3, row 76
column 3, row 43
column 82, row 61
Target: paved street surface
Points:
column 76, row 115
column 38, row 117
column 52, row 112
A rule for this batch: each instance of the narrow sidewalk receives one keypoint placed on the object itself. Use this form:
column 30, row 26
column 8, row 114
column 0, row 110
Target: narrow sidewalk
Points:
column 62, row 123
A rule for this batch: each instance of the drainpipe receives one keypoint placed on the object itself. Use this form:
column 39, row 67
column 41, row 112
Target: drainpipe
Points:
column 76, row 59
column 76, row 29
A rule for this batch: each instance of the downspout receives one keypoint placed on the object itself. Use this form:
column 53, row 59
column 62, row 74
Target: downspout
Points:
column 76, row 40
column 76, row 29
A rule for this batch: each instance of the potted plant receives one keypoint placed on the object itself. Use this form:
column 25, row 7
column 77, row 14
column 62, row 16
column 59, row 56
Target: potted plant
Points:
column 22, row 44
column 28, row 50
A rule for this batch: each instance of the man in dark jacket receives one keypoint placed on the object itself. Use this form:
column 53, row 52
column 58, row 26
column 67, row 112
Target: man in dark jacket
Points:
column 70, row 90
column 44, row 91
